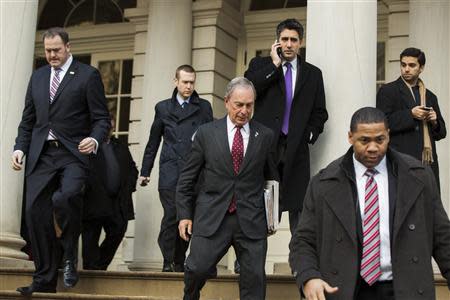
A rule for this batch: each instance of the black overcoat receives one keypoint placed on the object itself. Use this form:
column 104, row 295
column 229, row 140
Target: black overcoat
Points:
column 307, row 119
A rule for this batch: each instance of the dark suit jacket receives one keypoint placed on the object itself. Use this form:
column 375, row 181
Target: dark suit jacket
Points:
column 326, row 243
column 176, row 126
column 308, row 116
column 211, row 154
column 78, row 111
column 97, row 202
column 406, row 133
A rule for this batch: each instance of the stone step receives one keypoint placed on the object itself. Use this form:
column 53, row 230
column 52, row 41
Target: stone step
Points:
column 49, row 296
column 157, row 285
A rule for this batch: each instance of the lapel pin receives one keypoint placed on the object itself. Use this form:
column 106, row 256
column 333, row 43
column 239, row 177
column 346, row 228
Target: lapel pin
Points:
column 72, row 72
column 256, row 134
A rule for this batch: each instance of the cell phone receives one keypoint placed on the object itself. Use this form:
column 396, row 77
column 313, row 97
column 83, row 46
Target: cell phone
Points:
column 427, row 108
column 279, row 51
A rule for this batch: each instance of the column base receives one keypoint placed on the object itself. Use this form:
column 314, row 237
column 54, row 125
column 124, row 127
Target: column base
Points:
column 14, row 263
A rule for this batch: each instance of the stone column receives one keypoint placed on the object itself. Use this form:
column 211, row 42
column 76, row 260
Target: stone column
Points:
column 18, row 28
column 344, row 48
column 168, row 45
column 430, row 31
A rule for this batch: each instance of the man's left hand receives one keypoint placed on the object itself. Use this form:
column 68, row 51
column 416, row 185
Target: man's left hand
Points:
column 87, row 146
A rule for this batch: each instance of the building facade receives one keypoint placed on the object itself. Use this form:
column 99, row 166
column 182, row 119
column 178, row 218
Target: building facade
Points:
column 138, row 44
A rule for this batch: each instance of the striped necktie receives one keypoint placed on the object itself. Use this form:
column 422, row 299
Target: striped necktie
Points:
column 370, row 262
column 54, row 85
column 53, row 88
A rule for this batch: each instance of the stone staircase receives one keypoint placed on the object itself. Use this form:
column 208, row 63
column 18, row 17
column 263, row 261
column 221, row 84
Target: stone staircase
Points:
column 110, row 285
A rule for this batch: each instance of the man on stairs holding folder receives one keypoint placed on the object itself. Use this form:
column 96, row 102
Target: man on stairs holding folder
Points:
column 234, row 156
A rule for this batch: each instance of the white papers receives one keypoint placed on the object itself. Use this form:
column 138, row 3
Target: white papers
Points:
column 271, row 201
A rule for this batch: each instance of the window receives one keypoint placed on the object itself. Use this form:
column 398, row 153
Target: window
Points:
column 381, row 64
column 64, row 13
column 116, row 76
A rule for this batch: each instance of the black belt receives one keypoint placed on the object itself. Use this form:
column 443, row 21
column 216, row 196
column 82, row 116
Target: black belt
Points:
column 53, row 143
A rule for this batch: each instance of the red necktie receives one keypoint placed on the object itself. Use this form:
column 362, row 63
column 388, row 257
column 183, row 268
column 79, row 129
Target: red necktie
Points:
column 370, row 262
column 237, row 154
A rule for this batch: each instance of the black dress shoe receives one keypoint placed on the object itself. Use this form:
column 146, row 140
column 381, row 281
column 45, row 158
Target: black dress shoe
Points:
column 34, row 288
column 70, row 274
column 167, row 267
column 178, row 268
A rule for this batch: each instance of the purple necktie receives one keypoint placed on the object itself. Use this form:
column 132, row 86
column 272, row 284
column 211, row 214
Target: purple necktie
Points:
column 287, row 109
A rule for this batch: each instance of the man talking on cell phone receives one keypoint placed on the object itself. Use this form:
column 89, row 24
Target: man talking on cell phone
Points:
column 415, row 120
column 291, row 101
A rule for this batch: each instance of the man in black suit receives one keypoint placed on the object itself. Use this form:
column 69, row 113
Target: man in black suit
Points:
column 229, row 210
column 371, row 222
column 64, row 119
column 108, row 202
column 176, row 120
column 290, row 101
column 415, row 120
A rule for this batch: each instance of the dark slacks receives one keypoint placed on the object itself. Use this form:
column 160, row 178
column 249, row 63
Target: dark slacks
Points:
column 172, row 246
column 377, row 291
column 206, row 252
column 294, row 216
column 95, row 256
column 54, row 194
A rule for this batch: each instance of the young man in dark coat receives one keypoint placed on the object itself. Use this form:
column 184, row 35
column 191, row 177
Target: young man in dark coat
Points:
column 291, row 101
column 108, row 202
column 415, row 120
column 176, row 121
column 371, row 222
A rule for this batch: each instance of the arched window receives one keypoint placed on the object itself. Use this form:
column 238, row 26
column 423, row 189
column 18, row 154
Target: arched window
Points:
column 66, row 13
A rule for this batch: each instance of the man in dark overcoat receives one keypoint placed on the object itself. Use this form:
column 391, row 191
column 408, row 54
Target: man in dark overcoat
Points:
column 176, row 121
column 371, row 223
column 290, row 101
column 415, row 120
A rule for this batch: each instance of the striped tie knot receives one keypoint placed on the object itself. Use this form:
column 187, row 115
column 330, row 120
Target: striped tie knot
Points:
column 370, row 172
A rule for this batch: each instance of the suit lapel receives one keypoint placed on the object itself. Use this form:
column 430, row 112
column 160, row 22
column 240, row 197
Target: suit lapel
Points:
column 408, row 190
column 46, row 90
column 341, row 202
column 222, row 141
column 252, row 145
column 302, row 74
column 70, row 74
column 407, row 97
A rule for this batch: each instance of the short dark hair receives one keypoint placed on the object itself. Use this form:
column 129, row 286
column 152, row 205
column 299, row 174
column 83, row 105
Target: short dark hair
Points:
column 414, row 52
column 56, row 31
column 185, row 68
column 291, row 24
column 368, row 115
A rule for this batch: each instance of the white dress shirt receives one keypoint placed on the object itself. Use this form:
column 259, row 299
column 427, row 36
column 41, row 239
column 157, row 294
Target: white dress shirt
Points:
column 231, row 129
column 181, row 100
column 381, row 177
column 293, row 71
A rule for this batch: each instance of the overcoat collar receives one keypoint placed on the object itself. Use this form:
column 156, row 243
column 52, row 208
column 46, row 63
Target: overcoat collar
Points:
column 181, row 114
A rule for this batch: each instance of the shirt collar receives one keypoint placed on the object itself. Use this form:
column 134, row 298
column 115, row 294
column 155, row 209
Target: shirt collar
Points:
column 66, row 65
column 293, row 64
column 181, row 100
column 360, row 169
column 231, row 126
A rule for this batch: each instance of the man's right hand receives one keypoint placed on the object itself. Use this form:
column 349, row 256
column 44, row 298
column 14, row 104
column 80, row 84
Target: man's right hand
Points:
column 419, row 113
column 185, row 229
column 143, row 181
column 17, row 160
column 274, row 55
column 316, row 288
